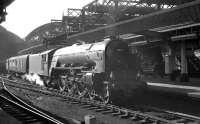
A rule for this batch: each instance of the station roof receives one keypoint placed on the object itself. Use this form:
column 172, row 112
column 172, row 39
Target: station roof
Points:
column 186, row 13
column 148, row 25
column 168, row 2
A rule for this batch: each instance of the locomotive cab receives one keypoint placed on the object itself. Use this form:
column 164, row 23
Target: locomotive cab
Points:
column 122, row 69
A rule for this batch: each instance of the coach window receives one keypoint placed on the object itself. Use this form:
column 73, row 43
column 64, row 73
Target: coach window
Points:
column 44, row 58
column 15, row 62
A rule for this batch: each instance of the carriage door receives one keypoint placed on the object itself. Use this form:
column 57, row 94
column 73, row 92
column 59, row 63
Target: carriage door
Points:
column 45, row 64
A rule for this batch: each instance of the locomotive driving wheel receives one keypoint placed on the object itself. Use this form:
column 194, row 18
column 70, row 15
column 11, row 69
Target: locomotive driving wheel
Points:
column 92, row 94
column 82, row 90
column 72, row 89
column 82, row 93
column 69, row 89
column 61, row 84
column 55, row 83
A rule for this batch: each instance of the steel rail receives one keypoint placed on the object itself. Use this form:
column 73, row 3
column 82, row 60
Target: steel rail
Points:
column 23, row 111
column 136, row 116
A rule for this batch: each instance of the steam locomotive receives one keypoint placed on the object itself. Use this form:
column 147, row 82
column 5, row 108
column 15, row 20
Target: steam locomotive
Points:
column 99, row 71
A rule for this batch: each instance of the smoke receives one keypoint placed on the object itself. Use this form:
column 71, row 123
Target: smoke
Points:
column 34, row 78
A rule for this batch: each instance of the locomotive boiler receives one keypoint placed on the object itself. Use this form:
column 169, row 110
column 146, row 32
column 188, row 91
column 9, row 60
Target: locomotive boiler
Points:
column 99, row 71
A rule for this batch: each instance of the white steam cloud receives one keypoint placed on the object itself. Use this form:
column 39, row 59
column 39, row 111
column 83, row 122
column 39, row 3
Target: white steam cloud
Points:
column 34, row 78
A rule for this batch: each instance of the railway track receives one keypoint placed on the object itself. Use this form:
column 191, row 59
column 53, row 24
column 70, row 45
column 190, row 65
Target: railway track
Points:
column 24, row 112
column 135, row 114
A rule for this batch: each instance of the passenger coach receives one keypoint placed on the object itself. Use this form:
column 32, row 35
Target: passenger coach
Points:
column 18, row 64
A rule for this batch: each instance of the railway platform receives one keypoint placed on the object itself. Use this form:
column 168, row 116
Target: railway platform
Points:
column 190, row 89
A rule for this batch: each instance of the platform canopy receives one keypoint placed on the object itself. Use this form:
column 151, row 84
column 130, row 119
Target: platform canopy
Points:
column 150, row 25
column 186, row 13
